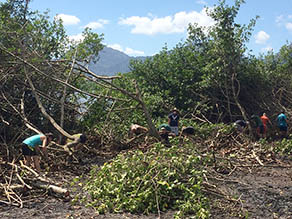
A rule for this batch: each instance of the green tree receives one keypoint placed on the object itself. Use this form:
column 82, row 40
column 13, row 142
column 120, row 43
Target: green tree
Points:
column 38, row 61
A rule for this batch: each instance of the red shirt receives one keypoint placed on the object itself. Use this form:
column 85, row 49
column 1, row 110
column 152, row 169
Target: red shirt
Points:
column 265, row 120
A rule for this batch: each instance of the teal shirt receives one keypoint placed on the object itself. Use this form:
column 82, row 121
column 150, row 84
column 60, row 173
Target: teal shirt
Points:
column 281, row 119
column 166, row 126
column 33, row 140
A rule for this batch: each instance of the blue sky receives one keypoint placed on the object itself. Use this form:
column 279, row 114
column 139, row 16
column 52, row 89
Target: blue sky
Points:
column 144, row 27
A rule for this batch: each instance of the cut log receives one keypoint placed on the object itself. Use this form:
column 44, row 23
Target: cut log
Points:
column 50, row 187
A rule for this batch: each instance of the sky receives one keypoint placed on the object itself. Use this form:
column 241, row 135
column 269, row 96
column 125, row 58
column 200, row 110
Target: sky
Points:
column 144, row 27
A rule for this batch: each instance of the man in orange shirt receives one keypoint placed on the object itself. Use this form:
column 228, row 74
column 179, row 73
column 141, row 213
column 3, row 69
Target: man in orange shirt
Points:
column 265, row 121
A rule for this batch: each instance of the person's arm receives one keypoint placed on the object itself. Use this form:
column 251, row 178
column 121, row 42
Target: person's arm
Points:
column 144, row 129
column 44, row 145
column 171, row 134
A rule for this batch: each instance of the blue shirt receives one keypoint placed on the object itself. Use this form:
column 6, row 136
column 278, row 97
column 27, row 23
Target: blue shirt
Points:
column 281, row 120
column 33, row 140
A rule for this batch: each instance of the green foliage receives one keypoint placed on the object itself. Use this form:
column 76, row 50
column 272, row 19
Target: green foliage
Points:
column 159, row 179
column 35, row 46
column 205, row 130
column 284, row 147
column 209, row 68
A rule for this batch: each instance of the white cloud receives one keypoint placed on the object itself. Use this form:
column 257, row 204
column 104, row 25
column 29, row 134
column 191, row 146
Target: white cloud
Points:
column 267, row 49
column 128, row 51
column 133, row 52
column 68, row 19
column 262, row 37
column 97, row 24
column 288, row 26
column 177, row 23
column 285, row 21
column 77, row 37
column 116, row 47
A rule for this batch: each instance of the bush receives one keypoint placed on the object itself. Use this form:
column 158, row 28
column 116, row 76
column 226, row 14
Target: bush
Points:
column 284, row 147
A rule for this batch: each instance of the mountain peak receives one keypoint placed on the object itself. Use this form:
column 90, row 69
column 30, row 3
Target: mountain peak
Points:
column 111, row 62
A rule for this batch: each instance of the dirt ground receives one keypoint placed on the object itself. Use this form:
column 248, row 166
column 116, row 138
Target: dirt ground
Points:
column 262, row 192
column 259, row 191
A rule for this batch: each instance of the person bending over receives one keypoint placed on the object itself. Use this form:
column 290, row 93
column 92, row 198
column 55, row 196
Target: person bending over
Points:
column 137, row 129
column 76, row 142
column 31, row 150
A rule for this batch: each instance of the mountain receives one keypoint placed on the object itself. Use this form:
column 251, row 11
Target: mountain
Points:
column 111, row 62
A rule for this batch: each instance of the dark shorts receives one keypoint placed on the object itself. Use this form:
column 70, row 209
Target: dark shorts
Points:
column 283, row 128
column 28, row 151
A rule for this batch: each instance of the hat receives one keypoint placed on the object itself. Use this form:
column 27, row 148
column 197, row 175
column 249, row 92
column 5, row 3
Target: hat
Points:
column 175, row 109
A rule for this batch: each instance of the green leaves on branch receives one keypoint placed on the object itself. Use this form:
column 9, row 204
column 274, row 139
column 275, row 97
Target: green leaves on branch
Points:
column 157, row 180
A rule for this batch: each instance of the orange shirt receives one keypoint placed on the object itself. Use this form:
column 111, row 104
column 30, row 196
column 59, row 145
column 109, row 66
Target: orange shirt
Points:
column 265, row 120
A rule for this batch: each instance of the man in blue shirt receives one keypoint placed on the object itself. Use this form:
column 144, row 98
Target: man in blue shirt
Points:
column 282, row 124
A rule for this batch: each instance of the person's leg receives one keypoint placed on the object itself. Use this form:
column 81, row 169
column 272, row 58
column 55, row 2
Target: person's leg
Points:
column 26, row 152
column 262, row 131
column 174, row 129
column 36, row 160
column 265, row 131
column 258, row 132
column 285, row 132
column 28, row 160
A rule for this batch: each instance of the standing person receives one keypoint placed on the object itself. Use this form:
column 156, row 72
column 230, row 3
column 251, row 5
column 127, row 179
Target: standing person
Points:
column 259, row 125
column 31, row 150
column 282, row 124
column 265, row 121
column 173, row 121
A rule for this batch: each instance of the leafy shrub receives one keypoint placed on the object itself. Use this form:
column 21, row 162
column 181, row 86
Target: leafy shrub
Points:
column 206, row 130
column 284, row 146
column 157, row 180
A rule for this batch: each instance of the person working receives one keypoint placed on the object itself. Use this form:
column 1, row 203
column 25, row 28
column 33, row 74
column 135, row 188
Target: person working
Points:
column 265, row 121
column 137, row 129
column 240, row 125
column 187, row 131
column 31, row 150
column 173, row 121
column 76, row 141
column 164, row 131
column 258, row 125
column 282, row 124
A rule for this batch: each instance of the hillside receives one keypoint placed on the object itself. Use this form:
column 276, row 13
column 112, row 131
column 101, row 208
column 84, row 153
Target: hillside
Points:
column 111, row 62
